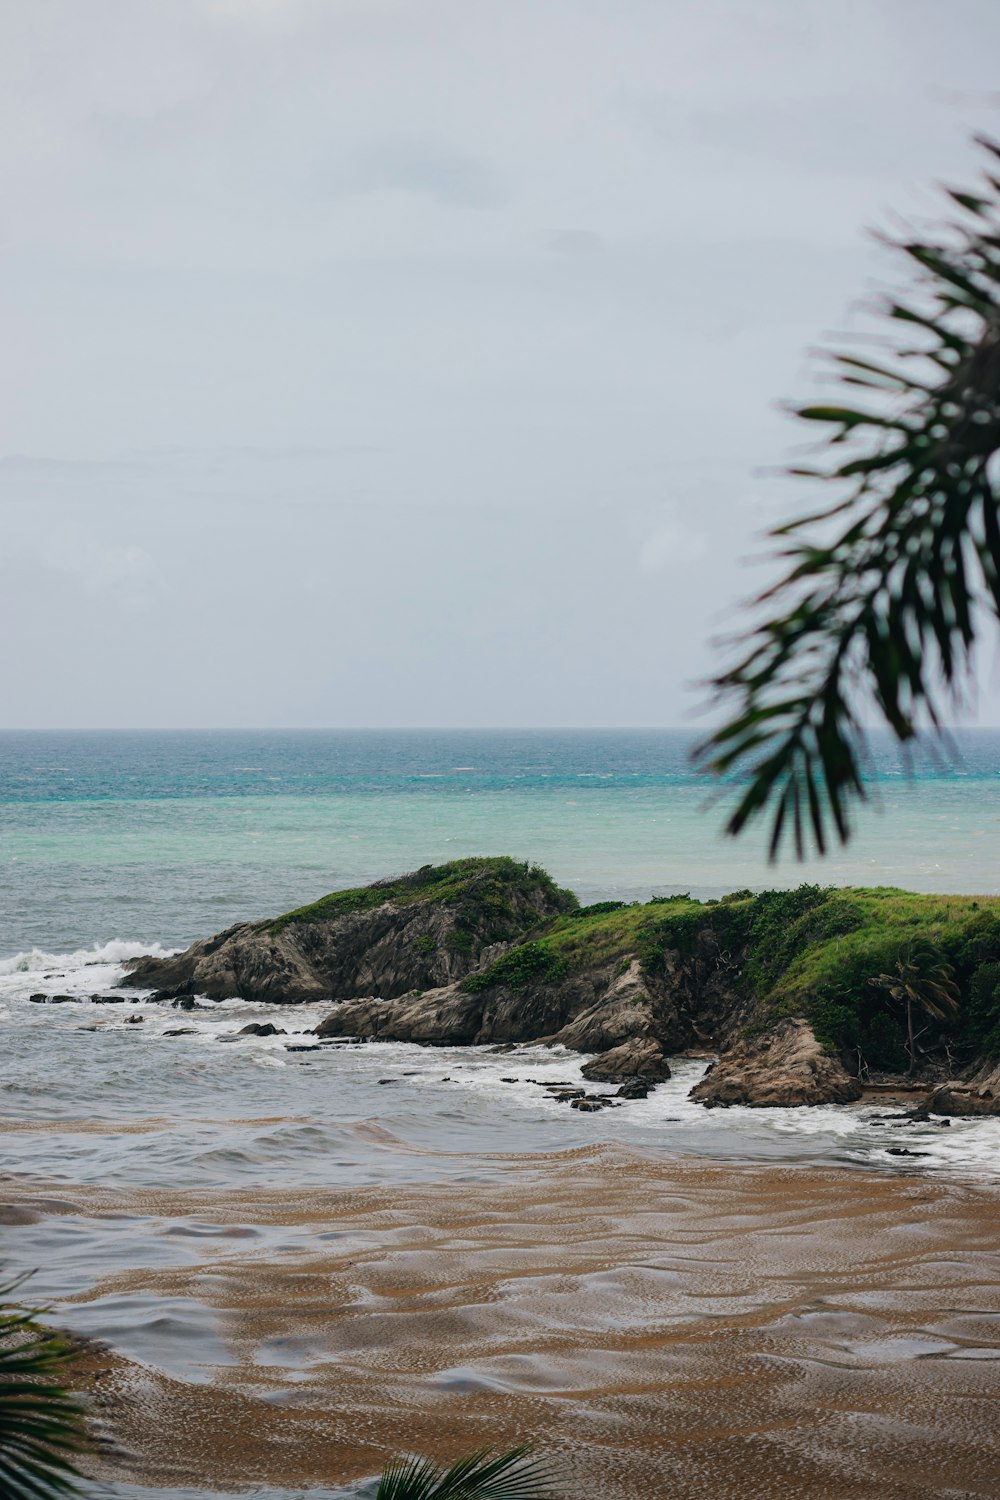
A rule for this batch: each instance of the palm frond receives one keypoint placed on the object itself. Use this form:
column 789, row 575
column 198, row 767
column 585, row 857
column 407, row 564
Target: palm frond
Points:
column 41, row 1425
column 922, row 979
column 484, row 1475
column 878, row 601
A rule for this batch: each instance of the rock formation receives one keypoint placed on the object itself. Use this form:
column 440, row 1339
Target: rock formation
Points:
column 784, row 1066
column 980, row 1095
column 491, row 951
column 418, row 932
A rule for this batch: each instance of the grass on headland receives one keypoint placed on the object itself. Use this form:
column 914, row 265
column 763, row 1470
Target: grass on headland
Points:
column 812, row 951
column 492, row 895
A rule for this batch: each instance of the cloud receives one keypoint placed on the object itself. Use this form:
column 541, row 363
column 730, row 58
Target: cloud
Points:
column 576, row 242
column 673, row 546
column 444, row 173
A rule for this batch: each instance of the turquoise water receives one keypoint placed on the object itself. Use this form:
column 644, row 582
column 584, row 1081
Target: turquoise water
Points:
column 164, row 837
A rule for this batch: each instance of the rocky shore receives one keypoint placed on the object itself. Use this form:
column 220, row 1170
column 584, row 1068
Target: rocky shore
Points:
column 492, row 951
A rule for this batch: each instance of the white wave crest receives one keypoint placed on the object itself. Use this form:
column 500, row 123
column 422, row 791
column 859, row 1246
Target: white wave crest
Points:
column 114, row 952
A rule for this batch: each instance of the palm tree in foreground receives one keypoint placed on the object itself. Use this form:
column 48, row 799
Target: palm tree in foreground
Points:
column 41, row 1425
column 886, row 585
column 922, row 981
column 486, row 1475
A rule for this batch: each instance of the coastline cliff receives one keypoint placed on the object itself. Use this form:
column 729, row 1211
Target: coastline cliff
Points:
column 779, row 983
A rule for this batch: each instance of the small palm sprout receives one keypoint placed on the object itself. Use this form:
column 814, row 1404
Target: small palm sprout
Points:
column 923, row 981
column 486, row 1475
column 41, row 1425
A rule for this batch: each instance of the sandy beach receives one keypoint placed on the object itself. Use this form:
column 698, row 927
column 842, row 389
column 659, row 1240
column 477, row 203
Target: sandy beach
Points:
column 685, row 1328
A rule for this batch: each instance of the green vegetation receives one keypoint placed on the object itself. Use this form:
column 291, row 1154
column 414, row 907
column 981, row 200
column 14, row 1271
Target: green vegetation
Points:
column 820, row 953
column 592, row 936
column 41, row 1426
column 813, row 951
column 922, row 981
column 494, row 898
column 527, row 963
column 817, row 952
column 480, row 1476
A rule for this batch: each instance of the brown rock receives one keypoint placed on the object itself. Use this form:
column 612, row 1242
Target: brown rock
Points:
column 390, row 949
column 979, row 1096
column 785, row 1067
column 639, row 1058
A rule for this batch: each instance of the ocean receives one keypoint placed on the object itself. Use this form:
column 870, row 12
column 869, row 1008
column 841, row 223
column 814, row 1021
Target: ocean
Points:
column 165, row 837
column 112, row 844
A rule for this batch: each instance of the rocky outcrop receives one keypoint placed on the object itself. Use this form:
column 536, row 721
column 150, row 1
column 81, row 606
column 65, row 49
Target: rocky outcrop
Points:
column 980, row 1095
column 783, row 1067
column 594, row 1009
column 640, row 1057
column 421, row 932
column 490, row 951
column 623, row 1006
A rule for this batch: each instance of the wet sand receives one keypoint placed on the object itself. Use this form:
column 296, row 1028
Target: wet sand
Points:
column 682, row 1329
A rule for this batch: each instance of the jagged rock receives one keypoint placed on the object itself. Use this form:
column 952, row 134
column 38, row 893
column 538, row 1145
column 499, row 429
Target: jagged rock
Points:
column 261, row 1028
column 359, row 944
column 622, row 1010
column 641, row 1057
column 634, row 1088
column 784, row 1067
column 979, row 1096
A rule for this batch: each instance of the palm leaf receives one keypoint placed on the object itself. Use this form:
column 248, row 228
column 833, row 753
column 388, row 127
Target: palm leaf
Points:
column 41, row 1426
column 484, row 1475
column 878, row 601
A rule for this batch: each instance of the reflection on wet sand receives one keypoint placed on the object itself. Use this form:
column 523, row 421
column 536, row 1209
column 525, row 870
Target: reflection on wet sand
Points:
column 662, row 1328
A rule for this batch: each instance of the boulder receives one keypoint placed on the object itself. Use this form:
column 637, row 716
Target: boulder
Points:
column 640, row 1058
column 784, row 1067
column 634, row 1088
column 979, row 1096
column 446, row 1016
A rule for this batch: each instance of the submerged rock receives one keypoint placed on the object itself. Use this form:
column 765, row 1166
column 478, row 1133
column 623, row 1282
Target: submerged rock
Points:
column 634, row 1088
column 784, row 1067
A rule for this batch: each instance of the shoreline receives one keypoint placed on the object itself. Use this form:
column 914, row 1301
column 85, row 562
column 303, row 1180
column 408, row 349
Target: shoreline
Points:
column 687, row 1327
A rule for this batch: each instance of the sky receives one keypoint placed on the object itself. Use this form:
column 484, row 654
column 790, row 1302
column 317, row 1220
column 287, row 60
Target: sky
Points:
column 383, row 363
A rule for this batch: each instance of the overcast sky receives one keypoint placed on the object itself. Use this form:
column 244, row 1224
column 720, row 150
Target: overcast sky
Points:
column 416, row 362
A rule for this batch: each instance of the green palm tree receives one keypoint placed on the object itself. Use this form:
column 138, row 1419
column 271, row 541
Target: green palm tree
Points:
column 41, row 1425
column 486, row 1475
column 878, row 605
column 922, row 981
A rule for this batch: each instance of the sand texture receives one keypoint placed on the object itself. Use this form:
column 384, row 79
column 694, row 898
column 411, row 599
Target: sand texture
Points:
column 661, row 1329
